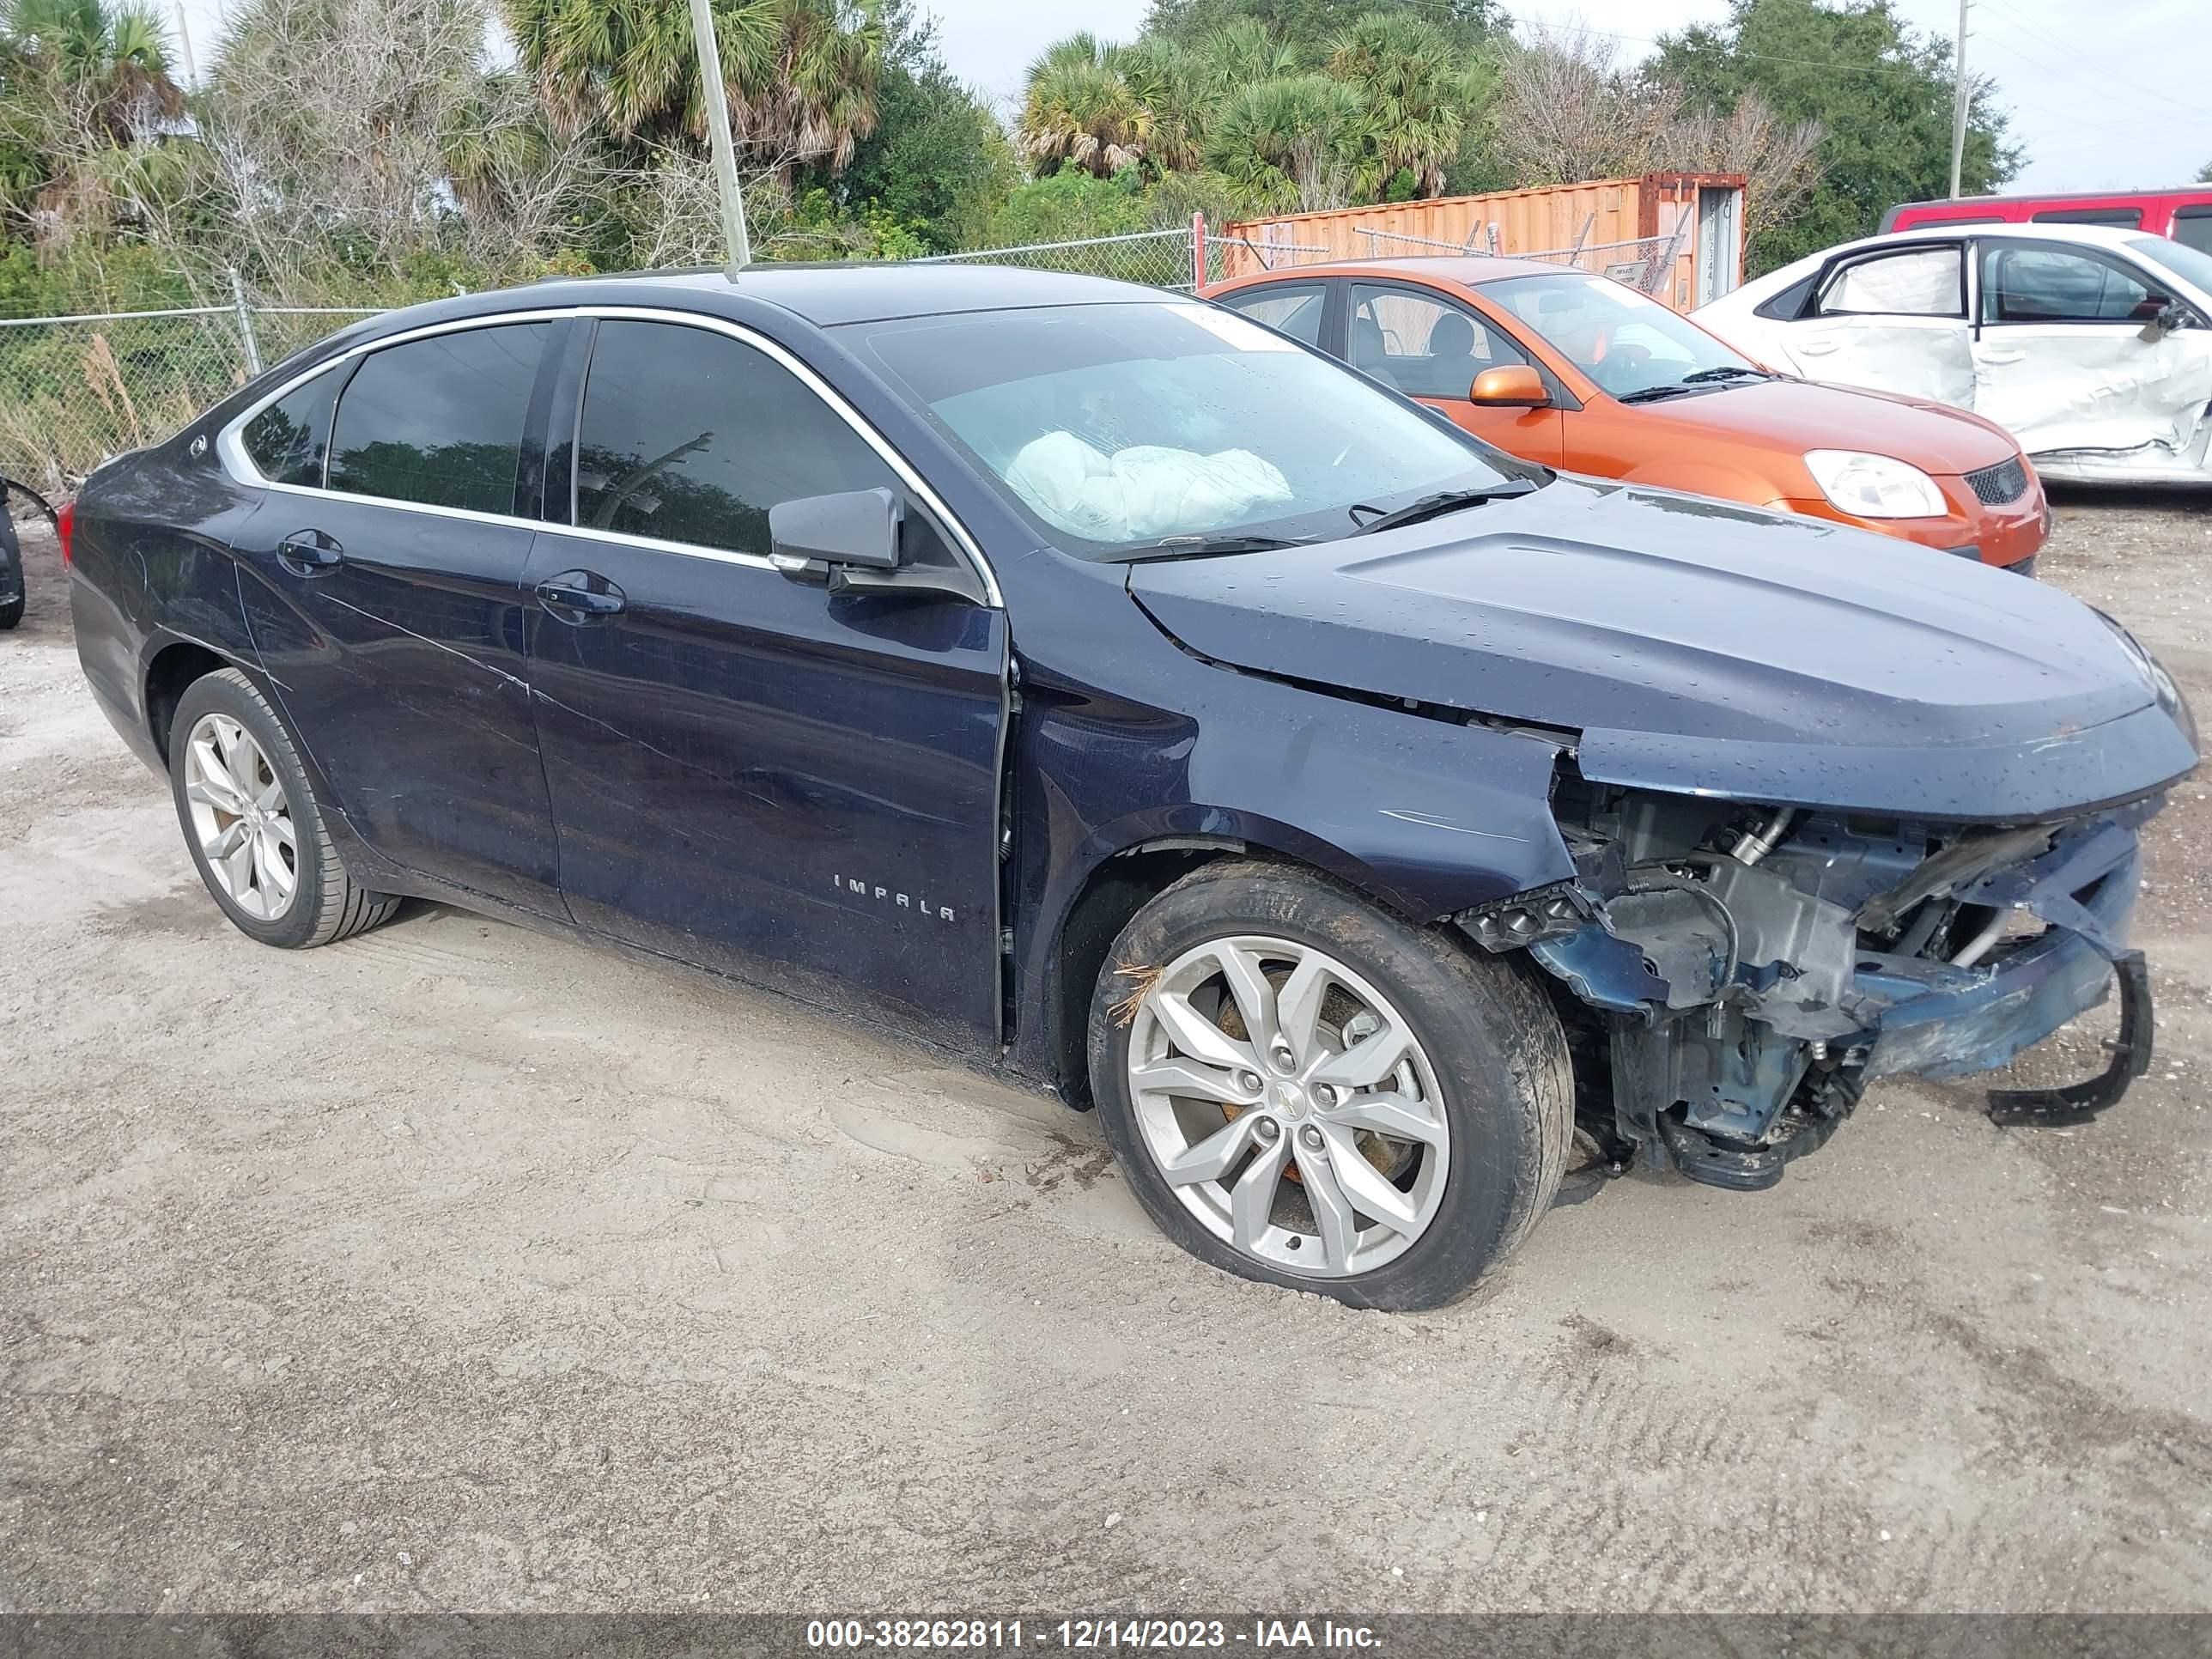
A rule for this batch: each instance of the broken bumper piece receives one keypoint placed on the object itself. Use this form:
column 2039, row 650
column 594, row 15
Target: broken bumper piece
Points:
column 1741, row 1006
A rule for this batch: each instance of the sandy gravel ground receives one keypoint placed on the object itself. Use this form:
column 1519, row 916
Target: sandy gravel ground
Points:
column 459, row 1267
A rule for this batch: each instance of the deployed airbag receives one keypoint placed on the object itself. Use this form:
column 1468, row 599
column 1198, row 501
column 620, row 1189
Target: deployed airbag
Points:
column 1149, row 490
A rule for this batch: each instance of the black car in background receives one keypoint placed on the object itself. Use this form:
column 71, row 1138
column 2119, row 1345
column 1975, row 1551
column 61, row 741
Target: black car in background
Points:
column 1094, row 683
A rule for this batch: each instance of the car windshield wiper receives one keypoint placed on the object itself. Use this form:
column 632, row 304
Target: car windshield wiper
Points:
column 1443, row 501
column 1199, row 547
column 1688, row 383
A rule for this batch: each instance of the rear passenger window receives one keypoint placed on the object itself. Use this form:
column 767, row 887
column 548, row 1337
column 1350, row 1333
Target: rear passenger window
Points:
column 1919, row 282
column 288, row 441
column 2192, row 228
column 1295, row 311
column 690, row 437
column 439, row 421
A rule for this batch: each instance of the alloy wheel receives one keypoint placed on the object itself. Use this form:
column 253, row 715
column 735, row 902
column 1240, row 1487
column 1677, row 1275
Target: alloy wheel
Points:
column 1288, row 1105
column 240, row 817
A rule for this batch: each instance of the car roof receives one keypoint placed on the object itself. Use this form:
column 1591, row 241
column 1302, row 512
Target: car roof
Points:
column 2106, row 236
column 826, row 294
column 1469, row 269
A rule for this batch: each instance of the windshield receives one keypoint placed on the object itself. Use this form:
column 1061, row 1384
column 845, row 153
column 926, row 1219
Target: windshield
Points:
column 1116, row 427
column 2192, row 265
column 1621, row 340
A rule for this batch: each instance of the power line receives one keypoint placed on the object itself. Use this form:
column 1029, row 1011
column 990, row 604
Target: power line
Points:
column 2119, row 81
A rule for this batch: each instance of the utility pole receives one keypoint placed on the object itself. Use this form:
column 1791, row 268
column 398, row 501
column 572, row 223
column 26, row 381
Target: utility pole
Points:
column 185, row 39
column 1960, row 99
column 718, row 135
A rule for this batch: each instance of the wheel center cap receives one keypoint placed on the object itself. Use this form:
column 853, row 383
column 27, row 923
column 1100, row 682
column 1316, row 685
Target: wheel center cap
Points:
column 1288, row 1100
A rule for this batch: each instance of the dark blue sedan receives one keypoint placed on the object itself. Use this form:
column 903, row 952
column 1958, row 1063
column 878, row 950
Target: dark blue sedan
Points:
column 1103, row 686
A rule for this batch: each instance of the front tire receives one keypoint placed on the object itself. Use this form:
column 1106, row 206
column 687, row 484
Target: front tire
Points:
column 1307, row 1090
column 252, row 825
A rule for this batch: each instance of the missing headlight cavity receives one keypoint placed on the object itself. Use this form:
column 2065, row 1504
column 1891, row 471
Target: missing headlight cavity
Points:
column 1739, row 971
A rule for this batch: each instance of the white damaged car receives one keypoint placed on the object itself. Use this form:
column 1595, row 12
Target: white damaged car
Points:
column 2092, row 346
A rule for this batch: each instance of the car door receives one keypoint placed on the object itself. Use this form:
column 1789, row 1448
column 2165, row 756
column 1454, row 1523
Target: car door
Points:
column 1891, row 319
column 748, row 771
column 1432, row 347
column 382, row 581
column 2068, row 354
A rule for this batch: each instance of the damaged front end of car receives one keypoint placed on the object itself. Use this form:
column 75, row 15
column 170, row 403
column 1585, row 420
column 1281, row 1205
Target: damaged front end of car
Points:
column 1742, row 973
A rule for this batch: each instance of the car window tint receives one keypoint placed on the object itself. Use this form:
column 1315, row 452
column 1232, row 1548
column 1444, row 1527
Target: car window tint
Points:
column 690, row 437
column 2124, row 218
column 1920, row 282
column 1292, row 310
column 288, row 441
column 2029, row 285
column 1427, row 347
column 2192, row 228
column 439, row 421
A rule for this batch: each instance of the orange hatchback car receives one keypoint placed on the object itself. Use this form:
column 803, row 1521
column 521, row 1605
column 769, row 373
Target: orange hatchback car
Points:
column 1586, row 374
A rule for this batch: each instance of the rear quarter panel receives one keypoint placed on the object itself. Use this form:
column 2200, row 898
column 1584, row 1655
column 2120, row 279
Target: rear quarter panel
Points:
column 151, row 566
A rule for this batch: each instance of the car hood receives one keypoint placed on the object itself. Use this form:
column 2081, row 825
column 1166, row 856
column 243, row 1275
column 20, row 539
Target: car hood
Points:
column 1693, row 646
column 1792, row 417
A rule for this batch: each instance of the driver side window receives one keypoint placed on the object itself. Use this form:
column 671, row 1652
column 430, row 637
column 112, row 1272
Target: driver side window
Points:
column 1425, row 347
column 2024, row 283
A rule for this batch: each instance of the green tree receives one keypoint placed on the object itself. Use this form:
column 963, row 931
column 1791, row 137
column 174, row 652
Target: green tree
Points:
column 1881, row 95
column 801, row 75
column 83, row 85
column 1295, row 143
column 1079, row 111
column 1417, row 88
column 937, row 159
column 2204, row 173
column 1190, row 21
column 1066, row 206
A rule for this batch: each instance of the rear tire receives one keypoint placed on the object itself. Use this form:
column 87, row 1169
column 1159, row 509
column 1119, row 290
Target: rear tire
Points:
column 252, row 823
column 1399, row 1123
column 11, row 612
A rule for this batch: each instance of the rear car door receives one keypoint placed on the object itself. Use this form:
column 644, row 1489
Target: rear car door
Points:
column 1432, row 348
column 748, row 771
column 382, row 583
column 1892, row 319
column 2066, row 357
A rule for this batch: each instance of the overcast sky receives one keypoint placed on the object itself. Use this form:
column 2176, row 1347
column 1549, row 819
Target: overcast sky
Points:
column 2105, row 95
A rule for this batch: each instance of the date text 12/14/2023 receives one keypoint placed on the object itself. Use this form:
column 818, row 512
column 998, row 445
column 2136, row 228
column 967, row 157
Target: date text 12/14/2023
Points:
column 1091, row 1635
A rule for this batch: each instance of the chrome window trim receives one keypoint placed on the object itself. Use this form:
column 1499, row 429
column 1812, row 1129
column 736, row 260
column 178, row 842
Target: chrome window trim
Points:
column 230, row 445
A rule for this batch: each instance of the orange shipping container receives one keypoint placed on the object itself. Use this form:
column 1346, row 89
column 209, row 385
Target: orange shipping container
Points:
column 1678, row 236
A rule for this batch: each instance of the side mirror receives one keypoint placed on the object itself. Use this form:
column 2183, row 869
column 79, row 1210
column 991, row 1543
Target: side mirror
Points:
column 2172, row 315
column 856, row 528
column 1518, row 386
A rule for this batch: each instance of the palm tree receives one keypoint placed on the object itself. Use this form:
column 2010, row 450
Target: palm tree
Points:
column 115, row 54
column 1079, row 110
column 1293, row 143
column 84, row 90
column 1416, row 92
column 801, row 75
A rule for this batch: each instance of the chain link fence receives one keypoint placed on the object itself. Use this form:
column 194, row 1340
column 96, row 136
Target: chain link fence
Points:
column 1157, row 258
column 74, row 390
column 1643, row 263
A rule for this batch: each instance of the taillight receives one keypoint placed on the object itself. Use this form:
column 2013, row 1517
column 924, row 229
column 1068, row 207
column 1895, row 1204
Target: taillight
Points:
column 65, row 528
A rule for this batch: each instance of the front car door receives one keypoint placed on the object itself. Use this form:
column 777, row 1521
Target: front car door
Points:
column 2067, row 355
column 381, row 579
column 1890, row 319
column 1432, row 347
column 752, row 772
